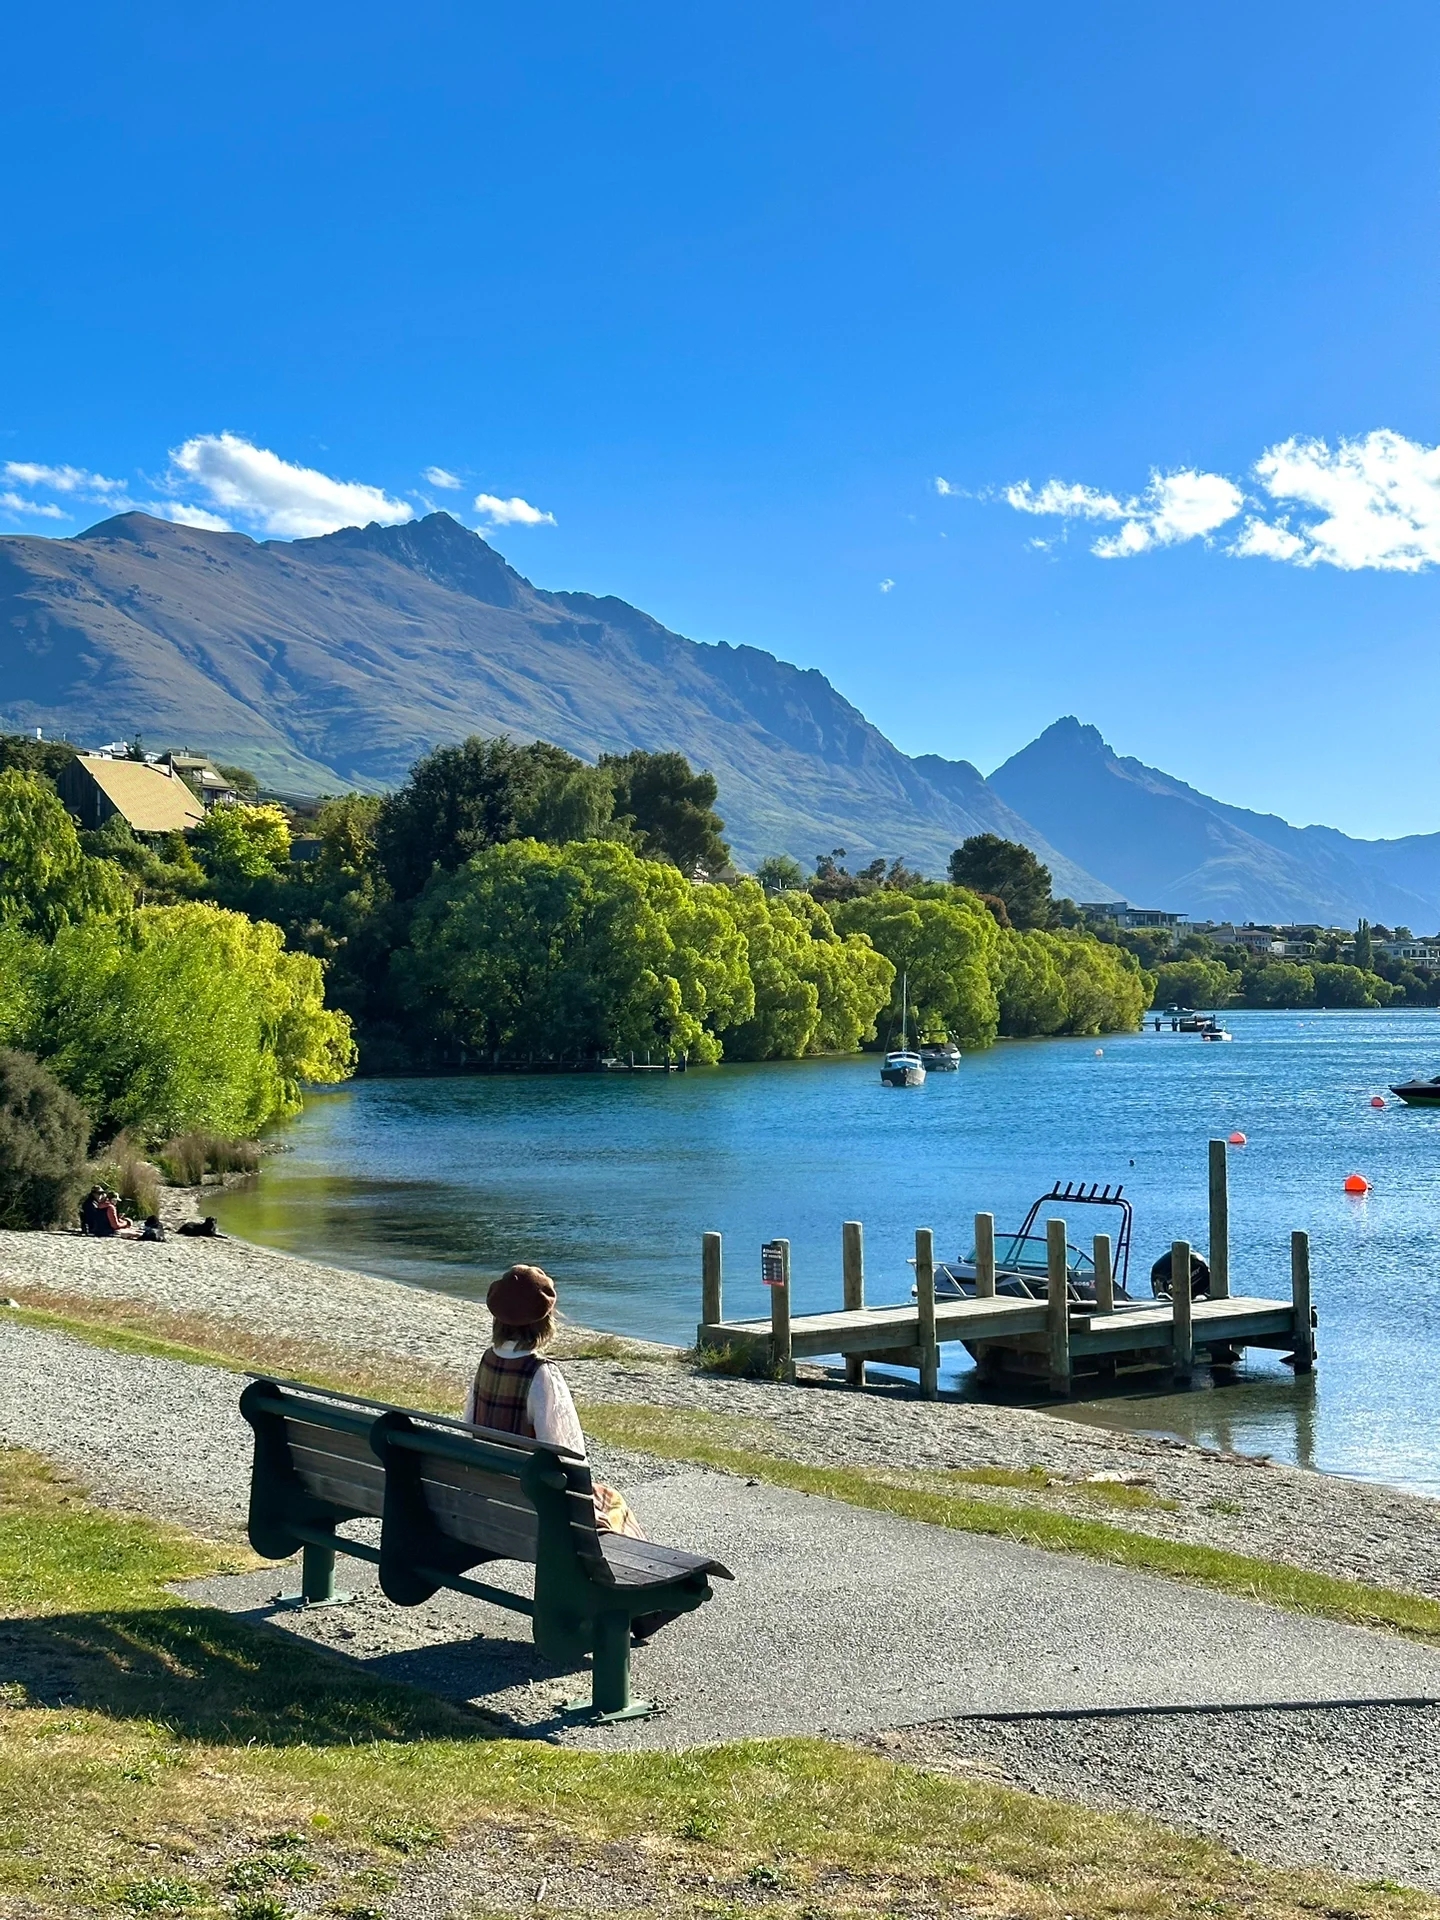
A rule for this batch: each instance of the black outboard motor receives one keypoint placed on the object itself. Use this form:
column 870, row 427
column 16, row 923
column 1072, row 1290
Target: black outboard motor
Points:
column 1160, row 1278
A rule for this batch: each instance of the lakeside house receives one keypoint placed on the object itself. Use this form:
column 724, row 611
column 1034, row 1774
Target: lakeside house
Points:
column 152, row 800
column 202, row 777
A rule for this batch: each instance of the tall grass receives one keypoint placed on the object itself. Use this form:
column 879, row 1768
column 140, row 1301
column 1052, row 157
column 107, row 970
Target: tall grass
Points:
column 187, row 1158
column 132, row 1176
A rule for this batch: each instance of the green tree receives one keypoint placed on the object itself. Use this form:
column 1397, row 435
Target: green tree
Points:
column 237, row 844
column 569, row 952
column 174, row 1019
column 778, row 873
column 1280, row 983
column 670, row 808
column 158, row 875
column 19, row 753
column 242, row 780
column 1029, row 984
column 1196, row 983
column 1106, row 988
column 946, row 946
column 1364, row 947
column 46, row 880
column 987, row 864
column 1342, row 986
column 460, row 800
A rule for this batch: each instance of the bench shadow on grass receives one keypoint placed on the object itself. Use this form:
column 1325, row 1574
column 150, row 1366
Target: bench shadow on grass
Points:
column 208, row 1677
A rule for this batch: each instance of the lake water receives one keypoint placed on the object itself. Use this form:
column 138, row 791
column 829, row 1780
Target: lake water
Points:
column 609, row 1180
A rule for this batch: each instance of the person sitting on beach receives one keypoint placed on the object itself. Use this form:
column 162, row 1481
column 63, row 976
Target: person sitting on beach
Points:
column 100, row 1215
column 516, row 1390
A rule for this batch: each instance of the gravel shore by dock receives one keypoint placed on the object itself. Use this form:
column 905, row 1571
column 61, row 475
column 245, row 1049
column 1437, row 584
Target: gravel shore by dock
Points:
column 1318, row 1522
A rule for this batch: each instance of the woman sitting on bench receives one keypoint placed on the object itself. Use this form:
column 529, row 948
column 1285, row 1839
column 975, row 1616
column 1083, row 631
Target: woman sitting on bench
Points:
column 516, row 1390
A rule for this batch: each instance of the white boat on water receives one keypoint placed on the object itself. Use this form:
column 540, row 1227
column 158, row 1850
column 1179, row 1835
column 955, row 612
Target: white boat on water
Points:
column 902, row 1066
column 939, row 1056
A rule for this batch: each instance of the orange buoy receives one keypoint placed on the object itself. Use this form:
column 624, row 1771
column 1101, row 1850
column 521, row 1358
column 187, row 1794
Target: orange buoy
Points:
column 1356, row 1183
column 1376, row 1101
column 1237, row 1139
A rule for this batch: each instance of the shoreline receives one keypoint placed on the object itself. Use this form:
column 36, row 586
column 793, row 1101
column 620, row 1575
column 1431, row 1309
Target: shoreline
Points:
column 275, row 1310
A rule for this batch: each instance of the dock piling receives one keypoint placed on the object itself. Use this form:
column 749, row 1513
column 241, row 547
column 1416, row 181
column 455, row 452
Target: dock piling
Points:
column 925, row 1302
column 1182, row 1309
column 1300, row 1300
column 984, row 1256
column 711, row 1294
column 1057, row 1311
column 1219, row 1221
column 852, row 1252
column 782, row 1357
column 1104, row 1275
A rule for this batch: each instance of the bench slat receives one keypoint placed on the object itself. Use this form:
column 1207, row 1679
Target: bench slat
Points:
column 512, row 1531
column 643, row 1563
column 339, row 1441
column 348, row 1495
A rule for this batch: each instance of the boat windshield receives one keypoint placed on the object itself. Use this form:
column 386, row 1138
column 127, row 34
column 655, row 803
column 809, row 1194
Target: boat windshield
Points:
column 1028, row 1253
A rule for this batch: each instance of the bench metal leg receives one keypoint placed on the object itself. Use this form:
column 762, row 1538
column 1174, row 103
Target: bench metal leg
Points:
column 610, row 1673
column 317, row 1581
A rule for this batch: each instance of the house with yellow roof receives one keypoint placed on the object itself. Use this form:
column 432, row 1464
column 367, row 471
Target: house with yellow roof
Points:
column 152, row 800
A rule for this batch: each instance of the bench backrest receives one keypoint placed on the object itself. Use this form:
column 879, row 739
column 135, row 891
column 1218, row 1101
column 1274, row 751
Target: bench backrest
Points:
column 470, row 1492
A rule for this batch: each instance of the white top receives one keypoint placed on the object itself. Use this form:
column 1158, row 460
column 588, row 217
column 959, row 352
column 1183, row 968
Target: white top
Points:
column 549, row 1406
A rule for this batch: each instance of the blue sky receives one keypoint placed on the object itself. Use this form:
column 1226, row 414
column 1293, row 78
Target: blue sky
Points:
column 700, row 304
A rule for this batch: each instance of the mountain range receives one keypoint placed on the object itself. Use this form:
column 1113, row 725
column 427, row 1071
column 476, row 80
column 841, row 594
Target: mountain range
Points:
column 1165, row 845
column 334, row 662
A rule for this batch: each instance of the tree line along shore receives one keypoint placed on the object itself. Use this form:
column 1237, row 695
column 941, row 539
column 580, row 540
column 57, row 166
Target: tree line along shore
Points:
column 508, row 904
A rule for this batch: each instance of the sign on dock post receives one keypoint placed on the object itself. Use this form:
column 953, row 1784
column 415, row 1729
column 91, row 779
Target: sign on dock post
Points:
column 925, row 1302
column 852, row 1261
column 775, row 1274
column 1057, row 1305
column 1219, row 1221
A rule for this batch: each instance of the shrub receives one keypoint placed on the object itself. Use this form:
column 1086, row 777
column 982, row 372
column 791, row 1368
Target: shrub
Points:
column 44, row 1133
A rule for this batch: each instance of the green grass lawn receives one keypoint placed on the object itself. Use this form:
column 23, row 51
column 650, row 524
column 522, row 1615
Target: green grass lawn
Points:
column 158, row 1758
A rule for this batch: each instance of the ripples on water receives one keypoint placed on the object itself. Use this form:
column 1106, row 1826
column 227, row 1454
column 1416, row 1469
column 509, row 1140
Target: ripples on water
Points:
column 608, row 1180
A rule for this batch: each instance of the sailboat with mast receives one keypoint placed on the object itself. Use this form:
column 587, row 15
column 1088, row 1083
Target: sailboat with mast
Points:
column 903, row 1067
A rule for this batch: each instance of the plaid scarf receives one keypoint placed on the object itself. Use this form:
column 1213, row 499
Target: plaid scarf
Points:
column 502, row 1392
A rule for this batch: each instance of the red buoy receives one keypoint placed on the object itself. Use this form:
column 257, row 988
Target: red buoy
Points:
column 1237, row 1139
column 1356, row 1183
column 1376, row 1101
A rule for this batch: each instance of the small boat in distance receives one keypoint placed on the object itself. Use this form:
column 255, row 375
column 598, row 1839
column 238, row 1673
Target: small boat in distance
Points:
column 903, row 1067
column 939, row 1056
column 1419, row 1093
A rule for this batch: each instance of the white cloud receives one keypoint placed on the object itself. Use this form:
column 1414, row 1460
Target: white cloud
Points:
column 12, row 503
column 946, row 490
column 1071, row 502
column 1379, row 497
column 514, row 512
column 274, row 496
column 886, row 586
column 441, row 477
column 1174, row 507
column 1267, row 540
column 63, row 479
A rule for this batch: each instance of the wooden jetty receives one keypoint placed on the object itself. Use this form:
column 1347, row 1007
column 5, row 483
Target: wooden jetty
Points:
column 1054, row 1338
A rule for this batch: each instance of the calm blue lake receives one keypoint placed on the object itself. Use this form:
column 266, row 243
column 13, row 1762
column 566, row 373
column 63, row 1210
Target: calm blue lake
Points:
column 609, row 1180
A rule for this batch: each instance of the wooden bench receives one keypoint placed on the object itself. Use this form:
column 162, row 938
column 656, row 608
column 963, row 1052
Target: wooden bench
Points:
column 448, row 1497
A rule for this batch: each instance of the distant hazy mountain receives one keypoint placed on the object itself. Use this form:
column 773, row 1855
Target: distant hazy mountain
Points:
column 1165, row 845
column 335, row 662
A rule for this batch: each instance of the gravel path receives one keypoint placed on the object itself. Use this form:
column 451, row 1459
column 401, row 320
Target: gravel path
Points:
column 1355, row 1788
column 1352, row 1528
